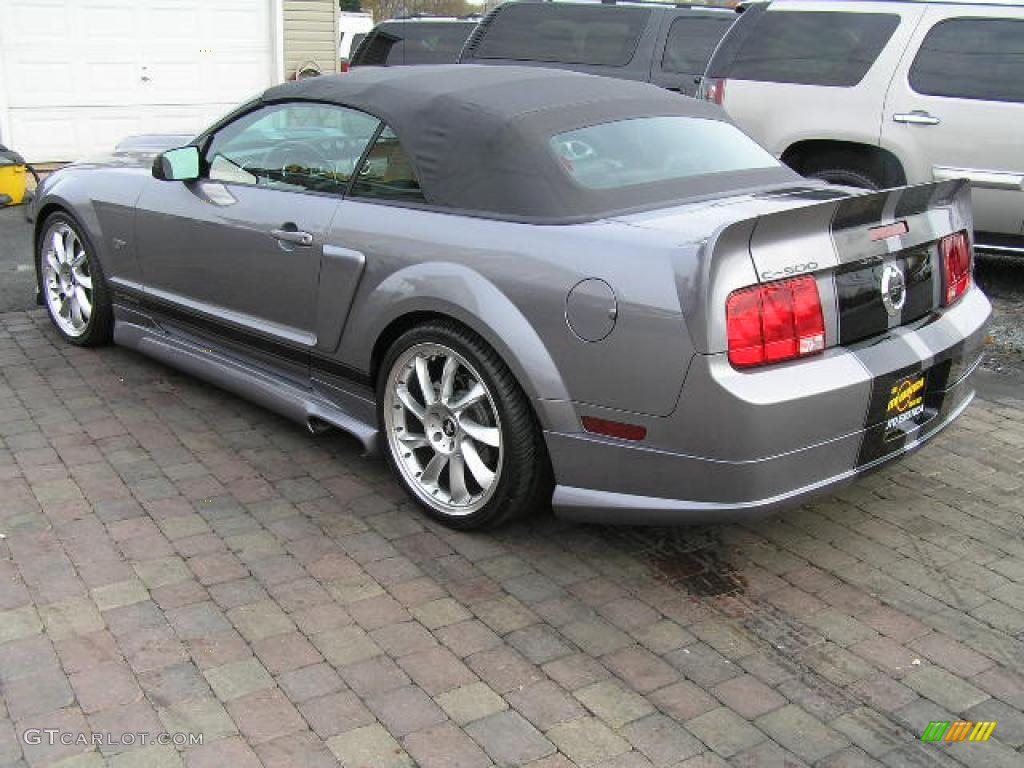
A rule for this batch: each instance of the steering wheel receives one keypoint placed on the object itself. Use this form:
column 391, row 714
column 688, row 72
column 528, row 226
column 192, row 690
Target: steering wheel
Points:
column 294, row 158
column 345, row 150
column 575, row 150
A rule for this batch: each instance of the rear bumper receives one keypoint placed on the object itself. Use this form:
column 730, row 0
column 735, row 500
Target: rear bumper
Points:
column 740, row 444
column 589, row 505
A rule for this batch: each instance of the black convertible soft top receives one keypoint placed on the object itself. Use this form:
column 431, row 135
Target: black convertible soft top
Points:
column 478, row 136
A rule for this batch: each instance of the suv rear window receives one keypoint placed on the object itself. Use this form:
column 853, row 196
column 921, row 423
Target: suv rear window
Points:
column 416, row 42
column 691, row 42
column 566, row 34
column 811, row 47
column 972, row 59
column 646, row 150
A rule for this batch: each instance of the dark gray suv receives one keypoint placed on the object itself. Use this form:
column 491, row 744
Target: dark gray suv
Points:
column 662, row 44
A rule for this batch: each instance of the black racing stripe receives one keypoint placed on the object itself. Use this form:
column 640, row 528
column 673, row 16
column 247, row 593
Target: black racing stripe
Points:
column 925, row 196
column 860, row 211
column 326, row 365
column 862, row 313
column 243, row 338
column 232, row 333
column 859, row 298
column 914, row 200
column 920, row 275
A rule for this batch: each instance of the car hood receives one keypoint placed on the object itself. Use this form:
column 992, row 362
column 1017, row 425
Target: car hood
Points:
column 153, row 142
column 135, row 151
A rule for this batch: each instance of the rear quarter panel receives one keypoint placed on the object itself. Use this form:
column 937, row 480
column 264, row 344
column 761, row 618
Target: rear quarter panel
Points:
column 509, row 282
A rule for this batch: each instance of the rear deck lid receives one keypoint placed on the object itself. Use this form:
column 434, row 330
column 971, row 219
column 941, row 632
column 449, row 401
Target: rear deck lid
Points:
column 876, row 255
column 851, row 242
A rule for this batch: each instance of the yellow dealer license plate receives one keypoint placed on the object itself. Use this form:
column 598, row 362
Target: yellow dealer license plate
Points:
column 906, row 403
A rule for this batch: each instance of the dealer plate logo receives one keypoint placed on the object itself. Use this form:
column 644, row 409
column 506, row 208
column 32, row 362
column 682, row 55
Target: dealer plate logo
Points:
column 906, row 402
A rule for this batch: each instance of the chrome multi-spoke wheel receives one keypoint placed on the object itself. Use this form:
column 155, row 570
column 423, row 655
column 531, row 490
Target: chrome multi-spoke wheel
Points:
column 461, row 434
column 67, row 280
column 443, row 429
column 70, row 282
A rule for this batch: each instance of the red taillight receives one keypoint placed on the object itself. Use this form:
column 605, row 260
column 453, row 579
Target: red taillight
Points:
column 774, row 322
column 956, row 266
column 713, row 89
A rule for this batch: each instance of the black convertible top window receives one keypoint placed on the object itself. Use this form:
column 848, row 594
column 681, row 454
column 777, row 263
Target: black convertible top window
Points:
column 646, row 150
column 477, row 137
column 563, row 33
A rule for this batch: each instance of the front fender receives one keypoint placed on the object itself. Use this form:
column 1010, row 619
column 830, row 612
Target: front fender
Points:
column 459, row 292
column 102, row 201
column 60, row 193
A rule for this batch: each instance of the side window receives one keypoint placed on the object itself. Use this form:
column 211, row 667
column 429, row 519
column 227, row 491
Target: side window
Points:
column 834, row 48
column 435, row 42
column 691, row 42
column 972, row 59
column 598, row 35
column 300, row 146
column 384, row 45
column 387, row 174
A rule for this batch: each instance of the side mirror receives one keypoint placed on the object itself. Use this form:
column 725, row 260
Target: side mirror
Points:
column 180, row 164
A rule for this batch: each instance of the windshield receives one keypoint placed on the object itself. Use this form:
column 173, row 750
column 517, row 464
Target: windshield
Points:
column 647, row 150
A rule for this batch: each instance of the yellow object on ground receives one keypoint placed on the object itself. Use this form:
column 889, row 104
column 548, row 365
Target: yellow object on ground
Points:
column 12, row 177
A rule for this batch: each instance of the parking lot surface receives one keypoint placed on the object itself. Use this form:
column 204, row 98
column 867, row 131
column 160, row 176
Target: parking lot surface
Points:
column 17, row 281
column 177, row 560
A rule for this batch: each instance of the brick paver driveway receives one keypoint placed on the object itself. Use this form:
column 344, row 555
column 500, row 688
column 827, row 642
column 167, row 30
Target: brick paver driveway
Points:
column 177, row 560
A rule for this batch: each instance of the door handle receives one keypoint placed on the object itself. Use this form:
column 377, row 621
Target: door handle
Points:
column 291, row 235
column 917, row 117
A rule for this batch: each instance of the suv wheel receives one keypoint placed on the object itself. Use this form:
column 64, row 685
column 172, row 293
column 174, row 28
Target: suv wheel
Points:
column 460, row 433
column 847, row 177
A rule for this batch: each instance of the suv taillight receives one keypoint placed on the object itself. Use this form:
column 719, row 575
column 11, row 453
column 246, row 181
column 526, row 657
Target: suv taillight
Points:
column 775, row 321
column 956, row 266
column 713, row 89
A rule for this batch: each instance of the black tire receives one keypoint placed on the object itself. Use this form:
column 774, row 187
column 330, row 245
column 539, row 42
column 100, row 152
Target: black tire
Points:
column 100, row 326
column 524, row 483
column 845, row 176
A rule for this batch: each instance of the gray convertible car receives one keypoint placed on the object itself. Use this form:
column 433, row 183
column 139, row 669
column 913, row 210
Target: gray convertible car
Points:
column 529, row 286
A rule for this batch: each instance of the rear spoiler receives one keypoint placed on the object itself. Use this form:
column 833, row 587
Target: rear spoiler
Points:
column 823, row 235
column 814, row 230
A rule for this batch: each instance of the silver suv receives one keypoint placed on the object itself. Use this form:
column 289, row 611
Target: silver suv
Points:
column 879, row 94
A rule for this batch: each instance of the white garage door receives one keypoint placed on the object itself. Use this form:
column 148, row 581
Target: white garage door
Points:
column 76, row 76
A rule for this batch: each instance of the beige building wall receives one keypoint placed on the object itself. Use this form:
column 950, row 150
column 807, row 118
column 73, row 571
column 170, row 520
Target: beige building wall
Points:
column 310, row 34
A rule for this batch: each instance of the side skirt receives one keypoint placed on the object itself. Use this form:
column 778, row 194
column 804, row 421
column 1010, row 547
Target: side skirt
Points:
column 296, row 403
